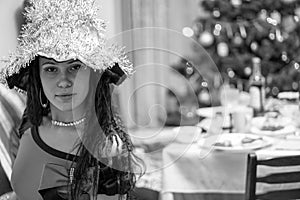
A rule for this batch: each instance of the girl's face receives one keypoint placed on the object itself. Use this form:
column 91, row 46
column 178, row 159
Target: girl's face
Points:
column 65, row 84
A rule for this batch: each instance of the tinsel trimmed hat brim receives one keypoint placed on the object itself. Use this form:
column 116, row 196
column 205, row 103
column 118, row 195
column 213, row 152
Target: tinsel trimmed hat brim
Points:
column 64, row 30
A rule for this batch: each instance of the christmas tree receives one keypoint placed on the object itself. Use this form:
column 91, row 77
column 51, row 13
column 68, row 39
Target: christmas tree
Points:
column 235, row 31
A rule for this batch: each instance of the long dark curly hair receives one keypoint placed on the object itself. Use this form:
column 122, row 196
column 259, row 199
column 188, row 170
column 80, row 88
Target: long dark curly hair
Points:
column 122, row 169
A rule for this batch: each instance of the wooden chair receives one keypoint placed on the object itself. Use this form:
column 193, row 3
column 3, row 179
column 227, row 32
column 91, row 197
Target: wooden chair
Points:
column 273, row 178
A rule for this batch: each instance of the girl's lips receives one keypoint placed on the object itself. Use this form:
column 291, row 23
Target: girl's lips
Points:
column 65, row 97
column 62, row 95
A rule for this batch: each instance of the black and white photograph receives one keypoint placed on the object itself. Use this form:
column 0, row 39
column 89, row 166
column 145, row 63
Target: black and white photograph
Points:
column 149, row 99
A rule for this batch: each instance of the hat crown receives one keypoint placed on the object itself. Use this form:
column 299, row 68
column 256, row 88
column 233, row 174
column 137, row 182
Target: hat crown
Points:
column 58, row 28
column 65, row 30
column 63, row 13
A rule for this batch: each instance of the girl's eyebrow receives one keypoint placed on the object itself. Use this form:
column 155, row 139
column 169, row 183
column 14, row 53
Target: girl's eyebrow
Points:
column 67, row 62
column 72, row 61
column 48, row 63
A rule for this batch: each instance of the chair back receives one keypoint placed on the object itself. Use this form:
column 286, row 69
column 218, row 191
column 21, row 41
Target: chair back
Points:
column 284, row 177
column 12, row 105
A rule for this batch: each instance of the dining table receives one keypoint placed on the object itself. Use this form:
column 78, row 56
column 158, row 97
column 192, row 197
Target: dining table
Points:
column 192, row 172
column 191, row 166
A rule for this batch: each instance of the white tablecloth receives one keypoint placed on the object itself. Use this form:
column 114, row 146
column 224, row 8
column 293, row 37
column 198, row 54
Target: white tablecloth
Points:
column 186, row 170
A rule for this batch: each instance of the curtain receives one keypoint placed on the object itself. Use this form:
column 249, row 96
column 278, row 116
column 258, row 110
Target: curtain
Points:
column 151, row 31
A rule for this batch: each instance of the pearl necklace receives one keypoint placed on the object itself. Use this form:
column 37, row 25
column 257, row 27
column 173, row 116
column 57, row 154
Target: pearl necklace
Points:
column 74, row 123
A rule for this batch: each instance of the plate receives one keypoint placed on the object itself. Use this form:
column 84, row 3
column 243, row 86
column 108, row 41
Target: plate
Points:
column 210, row 112
column 290, row 129
column 236, row 142
column 187, row 134
column 279, row 121
column 282, row 126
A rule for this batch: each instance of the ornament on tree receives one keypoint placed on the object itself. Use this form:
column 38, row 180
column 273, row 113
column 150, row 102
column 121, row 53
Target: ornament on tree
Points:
column 189, row 70
column 275, row 15
column 296, row 66
column 230, row 73
column 217, row 29
column 237, row 39
column 236, row 3
column 254, row 46
column 275, row 90
column 204, row 96
column 243, row 31
column 295, row 85
column 284, row 57
column 206, row 39
column 222, row 49
column 272, row 36
column 271, row 21
column 263, row 14
column 204, row 84
column 247, row 71
column 278, row 34
column 216, row 13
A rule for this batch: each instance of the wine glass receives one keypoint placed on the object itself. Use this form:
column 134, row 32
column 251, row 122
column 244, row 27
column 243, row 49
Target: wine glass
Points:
column 229, row 96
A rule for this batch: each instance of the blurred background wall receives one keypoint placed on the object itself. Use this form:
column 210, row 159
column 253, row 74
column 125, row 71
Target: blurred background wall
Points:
column 9, row 15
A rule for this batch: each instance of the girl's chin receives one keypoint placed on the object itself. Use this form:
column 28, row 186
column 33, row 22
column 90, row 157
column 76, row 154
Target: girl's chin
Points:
column 64, row 106
column 64, row 109
column 67, row 106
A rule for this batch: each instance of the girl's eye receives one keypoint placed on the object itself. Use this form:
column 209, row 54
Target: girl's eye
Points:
column 50, row 69
column 75, row 67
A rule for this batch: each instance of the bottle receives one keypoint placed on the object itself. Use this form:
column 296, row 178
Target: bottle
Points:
column 257, row 88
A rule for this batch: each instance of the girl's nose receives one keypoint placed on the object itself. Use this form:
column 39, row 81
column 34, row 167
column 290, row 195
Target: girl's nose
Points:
column 64, row 82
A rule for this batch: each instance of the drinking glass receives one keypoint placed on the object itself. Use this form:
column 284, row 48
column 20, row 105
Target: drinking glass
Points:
column 229, row 96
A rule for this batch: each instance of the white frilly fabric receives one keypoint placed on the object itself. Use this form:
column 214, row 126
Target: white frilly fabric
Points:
column 64, row 30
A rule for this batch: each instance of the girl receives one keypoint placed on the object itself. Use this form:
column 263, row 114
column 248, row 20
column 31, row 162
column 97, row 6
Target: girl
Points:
column 72, row 146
